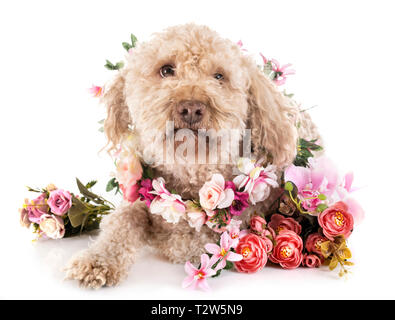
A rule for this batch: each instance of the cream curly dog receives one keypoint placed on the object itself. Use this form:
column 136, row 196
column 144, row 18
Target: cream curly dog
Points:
column 189, row 75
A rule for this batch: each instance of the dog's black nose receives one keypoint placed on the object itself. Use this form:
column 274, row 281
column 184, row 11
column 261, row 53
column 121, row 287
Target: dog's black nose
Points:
column 191, row 111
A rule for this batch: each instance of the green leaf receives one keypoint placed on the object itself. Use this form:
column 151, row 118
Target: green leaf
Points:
column 133, row 39
column 110, row 185
column 78, row 212
column 90, row 184
column 126, row 46
column 322, row 207
column 88, row 194
column 101, row 121
column 322, row 196
column 229, row 265
column 110, row 66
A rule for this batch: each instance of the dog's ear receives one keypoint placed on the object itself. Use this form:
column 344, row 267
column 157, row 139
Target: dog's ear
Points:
column 271, row 120
column 116, row 125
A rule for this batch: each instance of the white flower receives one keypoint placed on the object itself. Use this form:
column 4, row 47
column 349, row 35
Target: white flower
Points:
column 255, row 180
column 195, row 215
column 169, row 206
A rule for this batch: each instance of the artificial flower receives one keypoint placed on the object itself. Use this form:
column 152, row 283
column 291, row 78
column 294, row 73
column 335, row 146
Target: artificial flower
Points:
column 197, row 278
column 51, row 187
column 258, row 224
column 214, row 195
column 169, row 206
column 24, row 218
column 320, row 177
column 235, row 233
column 36, row 208
column 52, row 226
column 240, row 201
column 313, row 243
column 336, row 221
column 129, row 169
column 130, row 192
column 278, row 223
column 145, row 191
column 96, row 91
column 281, row 72
column 253, row 250
column 196, row 216
column 312, row 261
column 288, row 250
column 59, row 201
column 255, row 180
column 223, row 253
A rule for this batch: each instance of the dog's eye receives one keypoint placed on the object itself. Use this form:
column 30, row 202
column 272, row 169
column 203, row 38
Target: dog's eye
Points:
column 219, row 76
column 166, row 71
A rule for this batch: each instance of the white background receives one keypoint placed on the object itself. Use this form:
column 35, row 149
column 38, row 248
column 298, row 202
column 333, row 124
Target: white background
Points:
column 52, row 51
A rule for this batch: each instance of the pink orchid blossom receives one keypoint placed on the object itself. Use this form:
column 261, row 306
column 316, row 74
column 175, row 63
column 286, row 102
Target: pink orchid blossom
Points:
column 321, row 177
column 169, row 206
column 255, row 180
column 96, row 91
column 197, row 278
column 264, row 59
column 281, row 72
column 235, row 233
column 222, row 253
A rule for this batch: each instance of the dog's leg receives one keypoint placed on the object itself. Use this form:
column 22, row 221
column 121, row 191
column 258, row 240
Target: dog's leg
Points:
column 109, row 258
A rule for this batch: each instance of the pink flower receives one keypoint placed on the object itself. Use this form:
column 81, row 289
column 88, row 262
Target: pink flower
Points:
column 196, row 216
column 222, row 253
column 52, row 226
column 130, row 192
column 313, row 243
column 240, row 201
column 312, row 261
column 96, row 91
column 288, row 250
column 255, row 180
column 24, row 218
column 214, row 195
column 336, row 221
column 59, row 201
column 264, row 59
column 169, row 206
column 321, row 177
column 197, row 278
column 279, row 223
column 36, row 208
column 129, row 169
column 145, row 192
column 258, row 224
column 235, row 233
column 281, row 72
column 253, row 250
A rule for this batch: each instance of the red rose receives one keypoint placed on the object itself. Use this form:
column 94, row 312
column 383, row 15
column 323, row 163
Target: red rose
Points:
column 279, row 223
column 313, row 243
column 336, row 221
column 288, row 250
column 312, row 261
column 253, row 250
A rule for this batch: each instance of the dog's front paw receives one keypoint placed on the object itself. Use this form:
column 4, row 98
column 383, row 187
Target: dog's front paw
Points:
column 92, row 271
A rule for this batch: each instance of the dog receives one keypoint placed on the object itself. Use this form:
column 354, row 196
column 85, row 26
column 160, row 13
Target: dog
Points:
column 191, row 76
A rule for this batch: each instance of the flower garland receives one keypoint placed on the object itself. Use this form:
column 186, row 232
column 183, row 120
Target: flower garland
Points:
column 313, row 216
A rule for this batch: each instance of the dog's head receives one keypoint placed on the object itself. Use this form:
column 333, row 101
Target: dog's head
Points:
column 190, row 75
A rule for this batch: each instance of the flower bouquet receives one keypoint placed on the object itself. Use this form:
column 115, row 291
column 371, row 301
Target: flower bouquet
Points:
column 57, row 213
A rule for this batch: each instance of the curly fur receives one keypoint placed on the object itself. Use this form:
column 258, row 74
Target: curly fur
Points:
column 139, row 99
